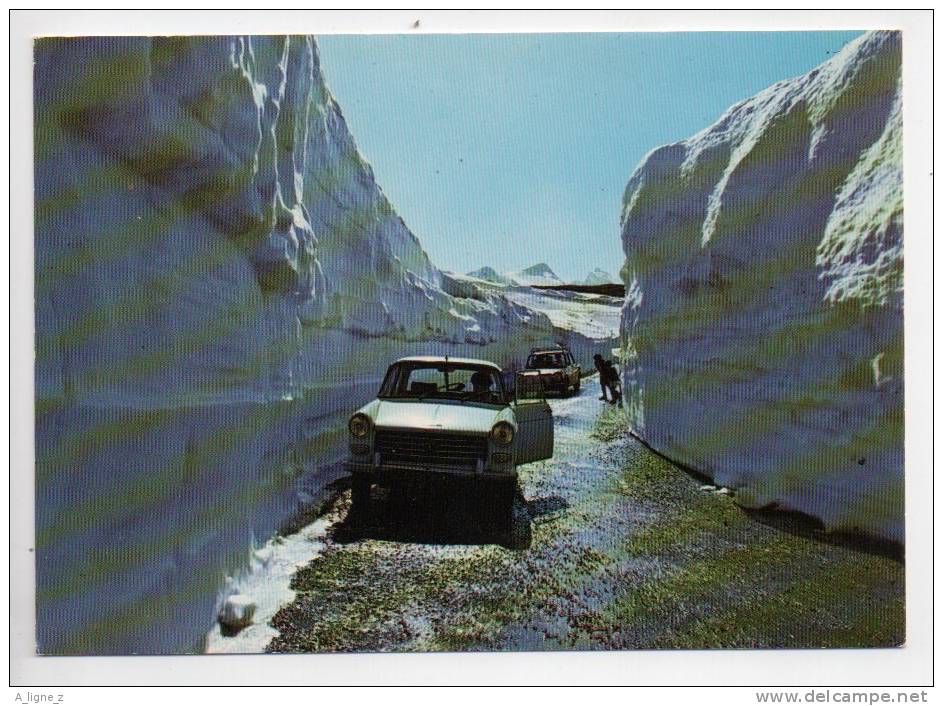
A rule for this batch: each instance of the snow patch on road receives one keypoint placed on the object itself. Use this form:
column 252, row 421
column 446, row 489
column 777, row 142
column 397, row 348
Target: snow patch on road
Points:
column 267, row 581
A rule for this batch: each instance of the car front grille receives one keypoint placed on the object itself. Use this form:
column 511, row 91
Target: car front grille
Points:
column 426, row 448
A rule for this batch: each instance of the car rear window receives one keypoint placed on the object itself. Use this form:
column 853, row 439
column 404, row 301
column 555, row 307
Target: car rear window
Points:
column 546, row 360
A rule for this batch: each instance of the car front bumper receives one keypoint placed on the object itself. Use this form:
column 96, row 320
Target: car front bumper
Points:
column 400, row 471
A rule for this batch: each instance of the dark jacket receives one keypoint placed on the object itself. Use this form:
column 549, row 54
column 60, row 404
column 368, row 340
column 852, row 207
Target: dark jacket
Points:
column 610, row 372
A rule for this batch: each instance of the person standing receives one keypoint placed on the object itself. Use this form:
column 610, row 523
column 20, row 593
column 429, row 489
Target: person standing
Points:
column 601, row 368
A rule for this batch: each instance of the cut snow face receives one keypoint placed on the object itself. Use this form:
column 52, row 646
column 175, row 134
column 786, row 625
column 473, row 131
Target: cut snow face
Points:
column 219, row 282
column 762, row 293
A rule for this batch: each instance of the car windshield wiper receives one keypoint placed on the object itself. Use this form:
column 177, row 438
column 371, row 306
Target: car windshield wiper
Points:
column 480, row 394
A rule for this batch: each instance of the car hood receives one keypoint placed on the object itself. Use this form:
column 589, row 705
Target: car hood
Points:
column 547, row 371
column 436, row 416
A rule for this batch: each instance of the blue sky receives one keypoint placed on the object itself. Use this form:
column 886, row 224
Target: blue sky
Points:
column 507, row 150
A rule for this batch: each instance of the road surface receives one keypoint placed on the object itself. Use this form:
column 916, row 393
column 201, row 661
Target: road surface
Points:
column 612, row 548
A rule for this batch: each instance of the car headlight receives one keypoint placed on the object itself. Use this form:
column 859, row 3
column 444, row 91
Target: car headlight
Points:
column 359, row 425
column 502, row 433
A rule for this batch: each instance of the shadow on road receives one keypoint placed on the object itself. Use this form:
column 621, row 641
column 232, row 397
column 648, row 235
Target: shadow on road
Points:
column 439, row 513
column 802, row 525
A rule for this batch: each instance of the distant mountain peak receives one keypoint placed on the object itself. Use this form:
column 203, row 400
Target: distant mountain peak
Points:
column 489, row 274
column 599, row 276
column 541, row 269
column 483, row 271
column 539, row 274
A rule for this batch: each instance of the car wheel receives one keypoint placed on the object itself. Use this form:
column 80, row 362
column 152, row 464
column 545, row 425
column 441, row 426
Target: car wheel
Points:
column 576, row 387
column 360, row 494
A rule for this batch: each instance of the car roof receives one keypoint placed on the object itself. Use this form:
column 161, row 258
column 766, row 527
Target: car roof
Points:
column 541, row 351
column 442, row 359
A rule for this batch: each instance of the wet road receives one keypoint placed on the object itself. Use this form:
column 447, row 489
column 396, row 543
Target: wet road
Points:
column 612, row 547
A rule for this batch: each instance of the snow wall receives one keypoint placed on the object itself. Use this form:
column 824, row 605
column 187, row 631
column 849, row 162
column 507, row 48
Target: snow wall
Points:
column 219, row 283
column 762, row 334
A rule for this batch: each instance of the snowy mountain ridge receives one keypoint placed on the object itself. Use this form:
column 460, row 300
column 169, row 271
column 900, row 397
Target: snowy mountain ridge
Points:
column 535, row 275
column 600, row 276
column 538, row 275
column 488, row 274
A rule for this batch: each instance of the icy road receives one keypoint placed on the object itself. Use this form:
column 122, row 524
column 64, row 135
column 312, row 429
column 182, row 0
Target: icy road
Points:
column 612, row 547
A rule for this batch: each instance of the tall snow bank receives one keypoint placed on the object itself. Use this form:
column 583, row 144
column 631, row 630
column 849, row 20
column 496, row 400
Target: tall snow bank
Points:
column 762, row 333
column 219, row 282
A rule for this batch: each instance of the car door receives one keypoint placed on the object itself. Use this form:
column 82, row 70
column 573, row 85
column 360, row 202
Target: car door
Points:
column 572, row 369
column 534, row 440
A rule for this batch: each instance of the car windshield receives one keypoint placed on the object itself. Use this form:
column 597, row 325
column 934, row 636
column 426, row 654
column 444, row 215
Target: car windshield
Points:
column 452, row 381
column 546, row 360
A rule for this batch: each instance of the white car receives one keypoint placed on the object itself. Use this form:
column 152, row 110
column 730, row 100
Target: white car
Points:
column 439, row 416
